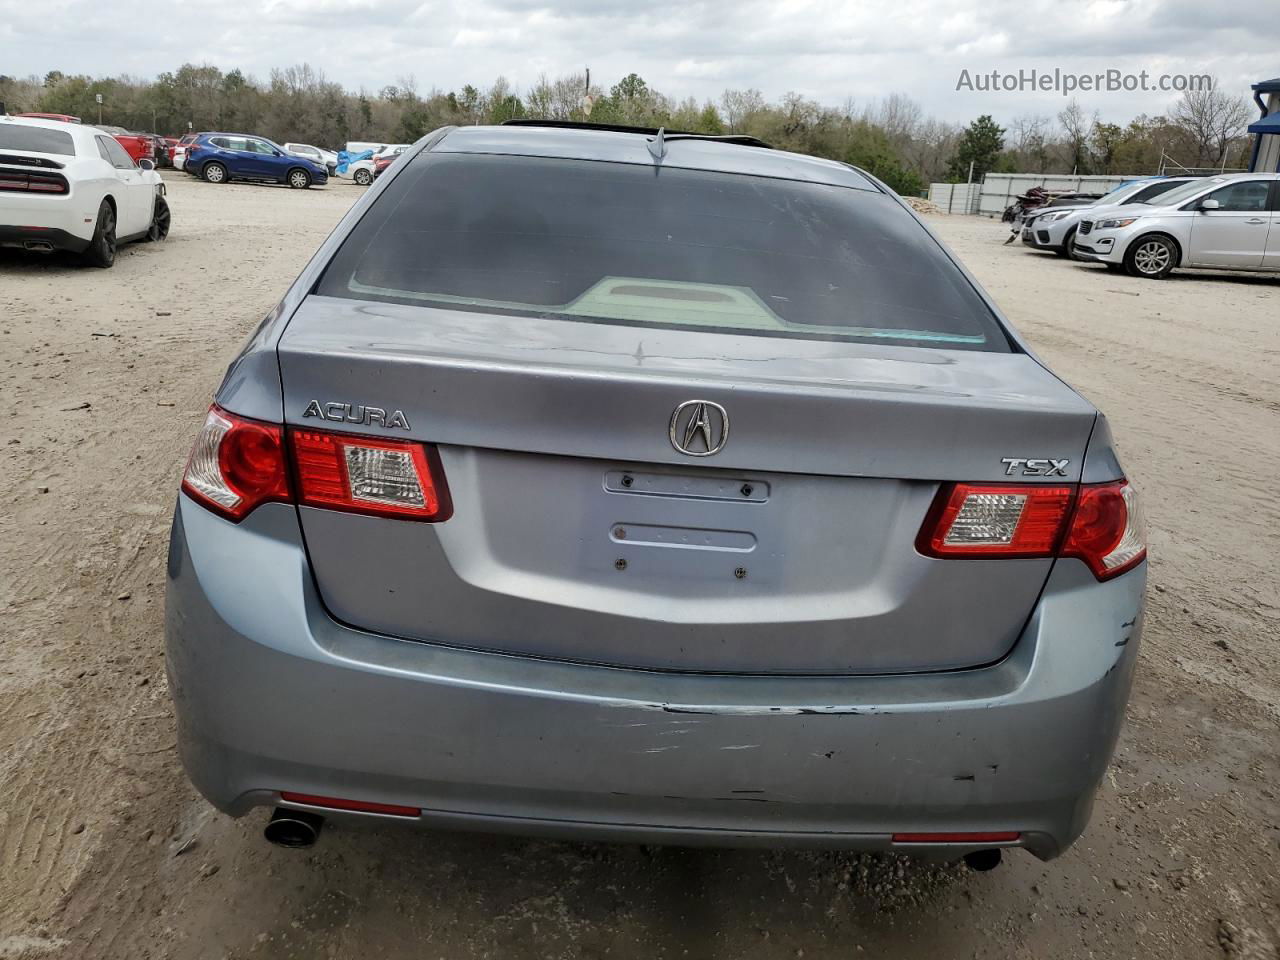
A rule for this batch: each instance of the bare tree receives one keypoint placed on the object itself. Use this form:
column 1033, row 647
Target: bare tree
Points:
column 1078, row 126
column 1211, row 119
column 738, row 107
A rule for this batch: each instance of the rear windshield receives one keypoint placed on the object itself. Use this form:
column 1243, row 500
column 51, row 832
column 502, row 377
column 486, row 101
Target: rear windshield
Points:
column 650, row 246
column 15, row 136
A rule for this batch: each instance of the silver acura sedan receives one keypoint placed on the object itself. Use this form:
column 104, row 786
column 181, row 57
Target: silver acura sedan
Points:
column 601, row 483
column 1229, row 222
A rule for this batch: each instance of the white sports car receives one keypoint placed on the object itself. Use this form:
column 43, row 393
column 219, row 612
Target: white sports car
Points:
column 64, row 186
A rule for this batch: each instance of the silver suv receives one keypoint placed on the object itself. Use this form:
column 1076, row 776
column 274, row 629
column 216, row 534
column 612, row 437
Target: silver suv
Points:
column 662, row 487
column 1229, row 222
column 1054, row 228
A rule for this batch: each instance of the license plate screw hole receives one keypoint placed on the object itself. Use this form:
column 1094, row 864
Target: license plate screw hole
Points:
column 740, row 573
column 620, row 563
column 628, row 480
column 746, row 489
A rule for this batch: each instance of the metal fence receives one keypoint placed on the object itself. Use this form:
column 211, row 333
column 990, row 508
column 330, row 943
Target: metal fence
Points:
column 955, row 197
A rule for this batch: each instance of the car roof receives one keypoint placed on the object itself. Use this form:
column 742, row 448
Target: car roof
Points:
column 80, row 133
column 614, row 146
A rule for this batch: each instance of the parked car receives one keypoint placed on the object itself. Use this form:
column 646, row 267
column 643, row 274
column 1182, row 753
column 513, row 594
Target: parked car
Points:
column 72, row 187
column 223, row 157
column 380, row 164
column 1054, row 228
column 179, row 154
column 363, row 172
column 326, row 158
column 138, row 145
column 1229, row 222
column 466, row 535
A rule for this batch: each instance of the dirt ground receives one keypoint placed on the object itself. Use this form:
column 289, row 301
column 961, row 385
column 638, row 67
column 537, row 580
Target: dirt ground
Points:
column 107, row 852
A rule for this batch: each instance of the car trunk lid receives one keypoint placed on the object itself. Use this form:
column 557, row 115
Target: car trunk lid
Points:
column 580, row 531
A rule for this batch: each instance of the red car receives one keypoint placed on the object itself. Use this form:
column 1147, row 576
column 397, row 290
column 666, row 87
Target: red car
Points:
column 137, row 145
column 65, row 118
column 381, row 163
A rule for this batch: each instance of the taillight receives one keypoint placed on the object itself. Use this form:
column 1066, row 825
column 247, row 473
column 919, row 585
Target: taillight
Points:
column 394, row 478
column 1100, row 524
column 236, row 464
column 33, row 181
column 996, row 520
column 1108, row 531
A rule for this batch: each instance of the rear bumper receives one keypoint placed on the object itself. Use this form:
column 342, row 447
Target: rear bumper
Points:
column 59, row 220
column 272, row 695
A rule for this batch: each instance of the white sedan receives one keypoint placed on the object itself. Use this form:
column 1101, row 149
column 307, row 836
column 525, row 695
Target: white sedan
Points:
column 64, row 186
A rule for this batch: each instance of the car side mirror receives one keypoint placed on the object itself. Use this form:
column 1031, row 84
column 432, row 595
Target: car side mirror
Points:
column 146, row 164
column 1209, row 204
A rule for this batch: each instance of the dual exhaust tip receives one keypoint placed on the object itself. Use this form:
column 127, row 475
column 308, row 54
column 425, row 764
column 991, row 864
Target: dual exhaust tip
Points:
column 298, row 829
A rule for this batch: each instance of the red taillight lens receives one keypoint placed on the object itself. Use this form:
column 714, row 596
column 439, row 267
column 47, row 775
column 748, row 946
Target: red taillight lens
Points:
column 1002, row 836
column 995, row 520
column 1108, row 531
column 1100, row 524
column 391, row 478
column 236, row 464
column 361, row 806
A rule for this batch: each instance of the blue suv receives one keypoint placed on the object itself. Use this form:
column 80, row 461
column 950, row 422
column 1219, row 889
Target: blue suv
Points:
column 222, row 157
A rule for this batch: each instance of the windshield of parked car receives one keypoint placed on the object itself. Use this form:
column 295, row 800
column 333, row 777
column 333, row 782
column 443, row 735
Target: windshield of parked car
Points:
column 653, row 246
column 16, row 136
column 1186, row 191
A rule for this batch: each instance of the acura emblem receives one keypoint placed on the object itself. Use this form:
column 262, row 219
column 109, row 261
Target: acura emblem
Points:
column 699, row 428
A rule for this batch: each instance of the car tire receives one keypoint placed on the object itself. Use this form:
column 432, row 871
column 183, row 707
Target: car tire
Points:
column 1152, row 256
column 160, row 218
column 362, row 177
column 214, row 172
column 101, row 251
column 1067, row 241
column 298, row 179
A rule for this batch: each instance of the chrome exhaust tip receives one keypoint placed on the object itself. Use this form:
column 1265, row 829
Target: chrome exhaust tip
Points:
column 39, row 246
column 293, row 828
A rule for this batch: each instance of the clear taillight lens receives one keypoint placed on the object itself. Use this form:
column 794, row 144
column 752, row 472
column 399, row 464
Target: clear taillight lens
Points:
column 1101, row 524
column 236, row 464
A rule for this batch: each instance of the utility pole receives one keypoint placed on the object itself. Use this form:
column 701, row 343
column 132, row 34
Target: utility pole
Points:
column 98, row 97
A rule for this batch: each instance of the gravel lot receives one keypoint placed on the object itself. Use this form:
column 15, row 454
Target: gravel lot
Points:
column 107, row 852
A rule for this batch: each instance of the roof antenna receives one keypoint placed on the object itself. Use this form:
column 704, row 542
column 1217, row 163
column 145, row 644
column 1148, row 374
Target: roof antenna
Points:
column 658, row 145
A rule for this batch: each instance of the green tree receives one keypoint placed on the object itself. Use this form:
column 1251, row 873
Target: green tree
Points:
column 980, row 145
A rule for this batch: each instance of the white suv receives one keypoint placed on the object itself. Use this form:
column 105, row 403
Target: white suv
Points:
column 1229, row 222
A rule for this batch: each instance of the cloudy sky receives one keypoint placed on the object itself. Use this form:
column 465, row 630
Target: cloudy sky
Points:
column 831, row 50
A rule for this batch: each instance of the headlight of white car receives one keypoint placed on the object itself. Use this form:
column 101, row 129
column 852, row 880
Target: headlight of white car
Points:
column 1056, row 215
column 1116, row 224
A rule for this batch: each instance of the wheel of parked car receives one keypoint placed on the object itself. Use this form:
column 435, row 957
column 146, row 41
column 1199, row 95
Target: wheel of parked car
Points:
column 1151, row 256
column 101, row 251
column 299, row 179
column 159, row 228
column 363, row 177
column 1067, row 241
column 214, row 172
